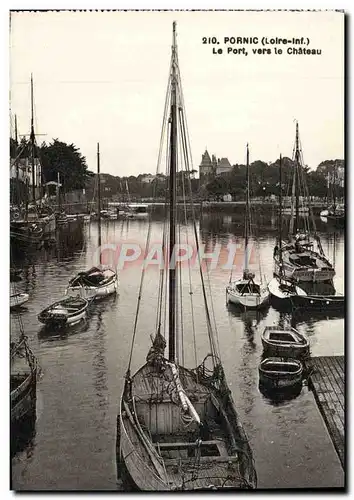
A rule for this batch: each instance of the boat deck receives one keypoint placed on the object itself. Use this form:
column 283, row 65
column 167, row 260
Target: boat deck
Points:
column 327, row 383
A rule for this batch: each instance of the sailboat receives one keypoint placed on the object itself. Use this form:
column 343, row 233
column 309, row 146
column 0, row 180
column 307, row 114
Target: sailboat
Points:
column 99, row 281
column 178, row 428
column 280, row 289
column 31, row 222
column 246, row 292
column 297, row 260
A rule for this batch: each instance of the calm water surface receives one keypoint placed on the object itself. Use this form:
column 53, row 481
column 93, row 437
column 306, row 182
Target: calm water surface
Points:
column 72, row 445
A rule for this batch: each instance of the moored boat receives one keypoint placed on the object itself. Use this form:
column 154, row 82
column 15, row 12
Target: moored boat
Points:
column 297, row 259
column 22, row 381
column 65, row 312
column 280, row 373
column 284, row 342
column 18, row 299
column 319, row 302
column 97, row 282
column 178, row 429
column 247, row 292
column 282, row 291
column 101, row 281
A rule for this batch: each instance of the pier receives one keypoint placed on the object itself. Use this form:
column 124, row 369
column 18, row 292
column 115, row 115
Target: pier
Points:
column 327, row 383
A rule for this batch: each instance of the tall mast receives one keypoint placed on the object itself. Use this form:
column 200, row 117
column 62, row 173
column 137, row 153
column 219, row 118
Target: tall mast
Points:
column 173, row 168
column 16, row 166
column 58, row 192
column 334, row 186
column 247, row 205
column 32, row 139
column 280, row 207
column 99, row 198
column 297, row 177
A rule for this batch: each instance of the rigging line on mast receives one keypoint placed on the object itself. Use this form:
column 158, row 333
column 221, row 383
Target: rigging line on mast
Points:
column 148, row 237
column 187, row 154
column 164, row 236
column 189, row 269
column 212, row 344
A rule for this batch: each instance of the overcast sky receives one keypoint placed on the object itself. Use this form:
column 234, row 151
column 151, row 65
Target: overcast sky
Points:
column 101, row 76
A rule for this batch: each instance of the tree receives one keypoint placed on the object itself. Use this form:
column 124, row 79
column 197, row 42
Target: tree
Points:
column 65, row 159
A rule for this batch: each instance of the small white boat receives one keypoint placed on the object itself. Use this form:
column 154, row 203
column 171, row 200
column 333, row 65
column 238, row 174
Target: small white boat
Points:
column 95, row 283
column 65, row 312
column 245, row 292
column 18, row 299
column 284, row 342
column 282, row 290
column 280, row 373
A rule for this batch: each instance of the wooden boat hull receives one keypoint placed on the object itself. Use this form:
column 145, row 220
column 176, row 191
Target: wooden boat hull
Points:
column 18, row 299
column 286, row 343
column 280, row 379
column 94, row 292
column 64, row 313
column 303, row 273
column 158, row 414
column 57, row 322
column 320, row 302
column 23, row 399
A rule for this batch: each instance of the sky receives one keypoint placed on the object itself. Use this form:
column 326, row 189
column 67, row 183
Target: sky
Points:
column 102, row 76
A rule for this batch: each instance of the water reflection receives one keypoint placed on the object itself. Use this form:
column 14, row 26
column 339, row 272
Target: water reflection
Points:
column 22, row 436
column 279, row 397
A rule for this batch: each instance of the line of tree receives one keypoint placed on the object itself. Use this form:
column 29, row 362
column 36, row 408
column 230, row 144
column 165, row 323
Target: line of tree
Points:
column 67, row 160
column 264, row 180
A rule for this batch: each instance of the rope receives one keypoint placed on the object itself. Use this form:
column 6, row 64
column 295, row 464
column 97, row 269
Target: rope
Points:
column 148, row 237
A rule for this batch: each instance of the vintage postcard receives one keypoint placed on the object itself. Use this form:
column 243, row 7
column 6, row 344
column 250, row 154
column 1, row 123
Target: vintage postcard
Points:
column 177, row 250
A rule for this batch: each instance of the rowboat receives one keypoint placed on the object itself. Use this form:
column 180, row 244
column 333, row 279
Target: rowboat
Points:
column 18, row 299
column 284, row 342
column 280, row 373
column 65, row 312
column 97, row 282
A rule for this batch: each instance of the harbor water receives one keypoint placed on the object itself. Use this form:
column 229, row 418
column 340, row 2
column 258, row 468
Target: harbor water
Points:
column 72, row 443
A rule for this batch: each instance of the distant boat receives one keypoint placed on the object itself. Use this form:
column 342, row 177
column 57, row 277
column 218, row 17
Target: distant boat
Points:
column 335, row 212
column 23, row 378
column 284, row 342
column 178, row 429
column 31, row 222
column 18, row 299
column 297, row 260
column 65, row 312
column 280, row 373
column 247, row 292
